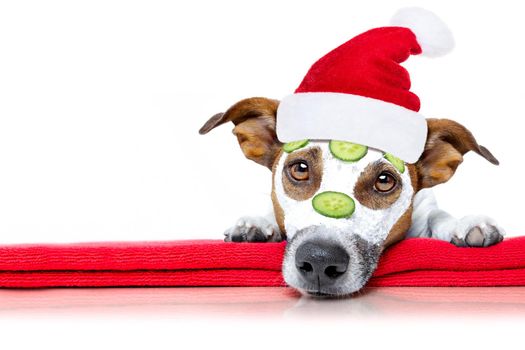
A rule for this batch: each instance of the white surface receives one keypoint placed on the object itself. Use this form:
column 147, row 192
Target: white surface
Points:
column 261, row 318
column 330, row 116
column 100, row 104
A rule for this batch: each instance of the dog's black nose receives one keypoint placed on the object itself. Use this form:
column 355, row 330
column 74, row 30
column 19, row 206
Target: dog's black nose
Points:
column 321, row 262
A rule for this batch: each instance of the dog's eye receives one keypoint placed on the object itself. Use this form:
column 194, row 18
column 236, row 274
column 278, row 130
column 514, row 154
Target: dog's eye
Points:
column 299, row 171
column 385, row 182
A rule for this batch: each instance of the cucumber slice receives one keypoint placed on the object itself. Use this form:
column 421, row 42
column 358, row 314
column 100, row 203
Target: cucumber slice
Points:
column 335, row 205
column 396, row 162
column 347, row 151
column 294, row 145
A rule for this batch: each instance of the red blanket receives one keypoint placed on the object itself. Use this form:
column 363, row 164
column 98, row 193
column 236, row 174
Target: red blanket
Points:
column 412, row 262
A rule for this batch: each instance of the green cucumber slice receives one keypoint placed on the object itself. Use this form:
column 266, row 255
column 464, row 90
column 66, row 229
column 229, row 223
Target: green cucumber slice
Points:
column 335, row 205
column 396, row 162
column 294, row 145
column 347, row 151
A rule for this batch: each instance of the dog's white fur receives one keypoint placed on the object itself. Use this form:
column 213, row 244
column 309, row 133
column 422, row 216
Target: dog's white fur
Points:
column 430, row 221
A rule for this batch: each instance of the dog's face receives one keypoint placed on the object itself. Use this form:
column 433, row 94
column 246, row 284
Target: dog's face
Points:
column 331, row 254
column 328, row 255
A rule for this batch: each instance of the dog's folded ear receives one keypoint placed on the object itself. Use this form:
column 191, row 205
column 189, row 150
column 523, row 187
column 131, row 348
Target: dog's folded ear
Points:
column 447, row 142
column 254, row 120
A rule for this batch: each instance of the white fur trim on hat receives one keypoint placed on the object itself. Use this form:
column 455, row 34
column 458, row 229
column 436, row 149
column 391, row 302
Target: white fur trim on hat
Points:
column 358, row 119
column 432, row 34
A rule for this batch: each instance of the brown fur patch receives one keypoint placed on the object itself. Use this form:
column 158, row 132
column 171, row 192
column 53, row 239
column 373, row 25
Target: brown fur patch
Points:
column 400, row 228
column 254, row 120
column 367, row 195
column 438, row 164
column 398, row 231
column 302, row 190
column 277, row 209
column 279, row 213
column 257, row 139
column 412, row 171
column 447, row 142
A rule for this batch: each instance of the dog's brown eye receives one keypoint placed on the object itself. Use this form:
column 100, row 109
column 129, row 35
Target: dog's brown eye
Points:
column 299, row 171
column 385, row 182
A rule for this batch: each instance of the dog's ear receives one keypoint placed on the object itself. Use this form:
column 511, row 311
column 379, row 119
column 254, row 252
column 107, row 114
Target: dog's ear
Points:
column 447, row 142
column 254, row 120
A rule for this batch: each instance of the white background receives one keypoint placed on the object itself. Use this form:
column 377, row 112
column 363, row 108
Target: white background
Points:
column 101, row 101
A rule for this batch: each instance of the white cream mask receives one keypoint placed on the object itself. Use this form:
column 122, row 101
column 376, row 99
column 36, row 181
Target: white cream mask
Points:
column 373, row 225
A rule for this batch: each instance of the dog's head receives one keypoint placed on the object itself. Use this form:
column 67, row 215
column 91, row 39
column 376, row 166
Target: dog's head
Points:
column 338, row 216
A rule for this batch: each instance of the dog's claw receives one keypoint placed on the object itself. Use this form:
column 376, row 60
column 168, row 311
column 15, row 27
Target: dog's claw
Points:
column 251, row 229
column 245, row 234
column 456, row 241
column 475, row 237
column 477, row 231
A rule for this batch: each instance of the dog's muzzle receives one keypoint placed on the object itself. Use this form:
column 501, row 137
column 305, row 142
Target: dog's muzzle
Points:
column 321, row 263
column 326, row 261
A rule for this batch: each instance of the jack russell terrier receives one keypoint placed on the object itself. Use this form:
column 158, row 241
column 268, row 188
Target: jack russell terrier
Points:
column 340, row 204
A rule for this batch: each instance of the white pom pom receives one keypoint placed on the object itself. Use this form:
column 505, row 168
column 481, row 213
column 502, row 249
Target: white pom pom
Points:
column 431, row 32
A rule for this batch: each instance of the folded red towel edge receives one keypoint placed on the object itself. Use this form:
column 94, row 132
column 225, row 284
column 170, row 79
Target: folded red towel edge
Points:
column 150, row 255
column 411, row 262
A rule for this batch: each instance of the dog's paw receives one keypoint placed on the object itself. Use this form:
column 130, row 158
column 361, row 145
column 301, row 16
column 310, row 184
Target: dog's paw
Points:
column 477, row 231
column 252, row 229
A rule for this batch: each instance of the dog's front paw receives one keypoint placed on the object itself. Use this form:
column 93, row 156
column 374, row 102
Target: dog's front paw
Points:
column 253, row 229
column 477, row 231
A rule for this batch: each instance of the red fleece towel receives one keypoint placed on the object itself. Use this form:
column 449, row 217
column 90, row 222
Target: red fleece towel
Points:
column 412, row 262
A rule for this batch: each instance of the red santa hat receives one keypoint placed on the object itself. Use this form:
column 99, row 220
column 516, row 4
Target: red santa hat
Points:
column 360, row 93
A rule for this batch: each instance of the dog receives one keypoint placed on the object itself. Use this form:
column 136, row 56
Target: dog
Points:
column 340, row 204
column 327, row 257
